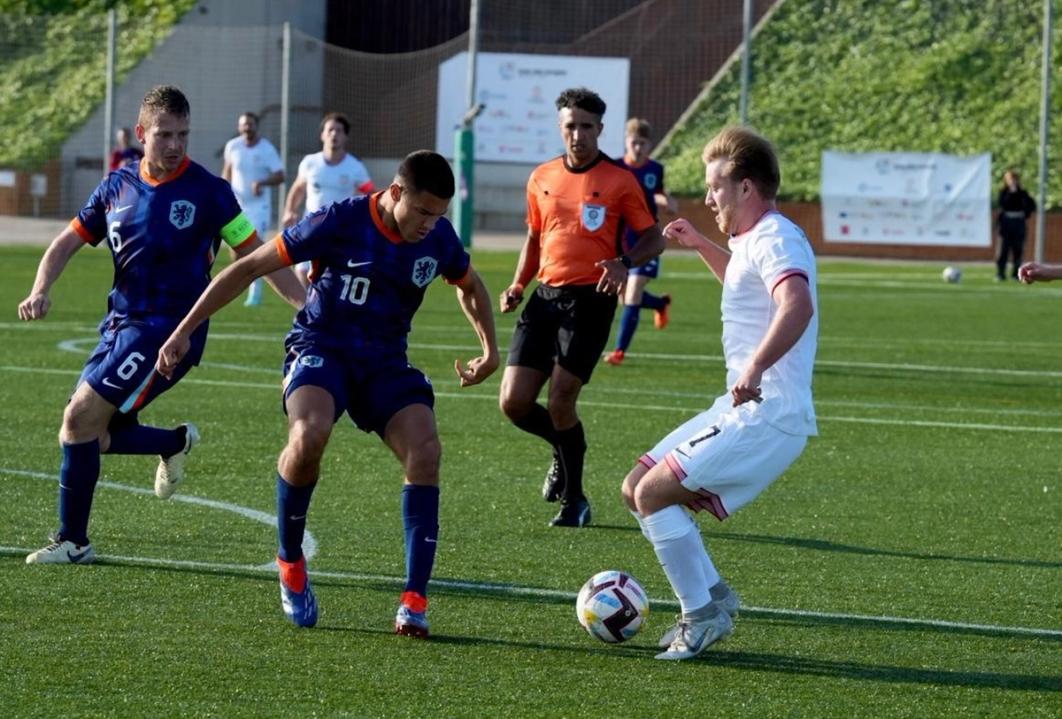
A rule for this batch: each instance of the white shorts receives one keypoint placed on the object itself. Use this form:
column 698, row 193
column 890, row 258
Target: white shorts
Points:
column 728, row 455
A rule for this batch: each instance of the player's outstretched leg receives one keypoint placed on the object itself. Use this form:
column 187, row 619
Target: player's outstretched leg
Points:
column 170, row 472
column 78, row 475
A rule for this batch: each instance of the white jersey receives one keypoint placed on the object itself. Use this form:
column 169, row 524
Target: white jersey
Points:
column 253, row 164
column 327, row 183
column 772, row 250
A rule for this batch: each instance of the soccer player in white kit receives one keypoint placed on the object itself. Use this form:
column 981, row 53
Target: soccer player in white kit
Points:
column 252, row 166
column 328, row 176
column 724, row 457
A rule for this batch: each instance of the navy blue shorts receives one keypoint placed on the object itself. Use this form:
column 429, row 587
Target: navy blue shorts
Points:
column 370, row 392
column 650, row 269
column 122, row 367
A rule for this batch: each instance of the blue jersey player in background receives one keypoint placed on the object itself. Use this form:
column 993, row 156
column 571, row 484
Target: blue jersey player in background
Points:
column 373, row 258
column 164, row 219
column 650, row 174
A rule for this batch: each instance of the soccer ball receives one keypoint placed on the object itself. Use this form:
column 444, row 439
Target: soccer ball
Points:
column 612, row 606
column 951, row 274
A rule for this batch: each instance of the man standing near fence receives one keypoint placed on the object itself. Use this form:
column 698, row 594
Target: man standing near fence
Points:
column 252, row 167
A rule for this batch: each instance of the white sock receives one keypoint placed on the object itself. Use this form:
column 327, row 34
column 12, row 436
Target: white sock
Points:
column 677, row 542
column 711, row 574
column 641, row 523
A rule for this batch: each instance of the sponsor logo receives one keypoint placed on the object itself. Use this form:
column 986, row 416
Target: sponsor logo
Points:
column 352, row 263
column 593, row 217
column 182, row 214
column 424, row 271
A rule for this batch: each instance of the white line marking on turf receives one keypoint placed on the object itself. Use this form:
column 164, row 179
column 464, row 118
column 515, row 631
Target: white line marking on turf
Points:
column 519, row 591
column 309, row 543
column 617, row 405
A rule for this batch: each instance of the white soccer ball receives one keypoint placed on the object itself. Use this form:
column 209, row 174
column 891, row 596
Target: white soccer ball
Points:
column 951, row 274
column 612, row 606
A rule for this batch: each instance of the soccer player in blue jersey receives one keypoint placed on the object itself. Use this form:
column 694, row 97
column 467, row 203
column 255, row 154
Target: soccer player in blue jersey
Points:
column 650, row 174
column 373, row 258
column 164, row 219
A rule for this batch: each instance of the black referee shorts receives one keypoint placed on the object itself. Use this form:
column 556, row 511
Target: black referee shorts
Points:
column 568, row 326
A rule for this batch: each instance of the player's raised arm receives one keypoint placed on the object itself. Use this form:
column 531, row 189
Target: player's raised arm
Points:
column 683, row 232
column 226, row 286
column 295, row 198
column 476, row 304
column 59, row 252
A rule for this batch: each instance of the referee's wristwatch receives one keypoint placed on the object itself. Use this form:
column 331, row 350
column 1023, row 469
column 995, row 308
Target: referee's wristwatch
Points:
column 626, row 261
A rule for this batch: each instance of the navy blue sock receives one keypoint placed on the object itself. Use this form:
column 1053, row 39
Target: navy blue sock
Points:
column 628, row 324
column 538, row 423
column 420, row 516
column 652, row 302
column 78, row 475
column 142, row 439
column 292, row 504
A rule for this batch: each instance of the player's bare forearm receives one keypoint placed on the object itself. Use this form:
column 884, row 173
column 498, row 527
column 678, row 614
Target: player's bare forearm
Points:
column 795, row 310
column 286, row 284
column 475, row 302
column 650, row 244
column 526, row 269
column 296, row 195
column 715, row 257
column 51, row 266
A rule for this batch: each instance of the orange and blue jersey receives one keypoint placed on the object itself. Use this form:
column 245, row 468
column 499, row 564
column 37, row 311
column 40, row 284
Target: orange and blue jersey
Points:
column 163, row 236
column 367, row 282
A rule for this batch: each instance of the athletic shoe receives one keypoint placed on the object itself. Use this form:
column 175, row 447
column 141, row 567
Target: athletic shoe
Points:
column 614, row 358
column 572, row 515
column 62, row 551
column 729, row 603
column 660, row 317
column 412, row 617
column 296, row 595
column 553, row 487
column 696, row 635
column 254, row 294
column 171, row 469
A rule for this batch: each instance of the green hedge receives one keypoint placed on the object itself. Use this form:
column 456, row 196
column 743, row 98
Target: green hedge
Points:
column 954, row 76
column 52, row 66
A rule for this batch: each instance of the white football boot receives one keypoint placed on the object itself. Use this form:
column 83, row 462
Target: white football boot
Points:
column 171, row 469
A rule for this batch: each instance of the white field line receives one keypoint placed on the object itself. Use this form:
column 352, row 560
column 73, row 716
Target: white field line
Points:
column 274, row 386
column 514, row 590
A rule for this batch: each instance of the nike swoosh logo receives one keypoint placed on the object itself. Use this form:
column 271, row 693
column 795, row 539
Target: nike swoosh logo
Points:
column 111, row 384
column 75, row 558
column 293, row 518
column 351, row 263
column 429, row 539
column 121, row 209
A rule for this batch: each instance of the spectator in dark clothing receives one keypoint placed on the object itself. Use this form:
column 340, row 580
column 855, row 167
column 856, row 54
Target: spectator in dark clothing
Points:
column 1015, row 206
column 124, row 152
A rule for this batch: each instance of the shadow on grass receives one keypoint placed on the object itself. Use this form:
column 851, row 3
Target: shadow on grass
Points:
column 824, row 545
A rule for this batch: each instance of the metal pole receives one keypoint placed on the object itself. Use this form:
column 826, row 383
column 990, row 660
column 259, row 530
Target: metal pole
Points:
column 285, row 124
column 1045, row 105
column 108, row 103
column 464, row 140
column 743, row 110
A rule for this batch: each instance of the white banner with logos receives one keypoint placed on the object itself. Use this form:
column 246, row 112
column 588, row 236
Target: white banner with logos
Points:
column 907, row 198
column 519, row 121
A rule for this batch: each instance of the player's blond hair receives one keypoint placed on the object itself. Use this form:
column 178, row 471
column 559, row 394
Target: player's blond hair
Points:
column 639, row 127
column 750, row 157
column 162, row 99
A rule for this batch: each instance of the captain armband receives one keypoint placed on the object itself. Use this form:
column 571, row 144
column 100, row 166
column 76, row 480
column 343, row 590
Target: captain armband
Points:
column 239, row 230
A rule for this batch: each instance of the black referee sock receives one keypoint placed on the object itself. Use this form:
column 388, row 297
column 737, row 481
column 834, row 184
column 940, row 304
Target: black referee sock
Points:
column 538, row 423
column 571, row 444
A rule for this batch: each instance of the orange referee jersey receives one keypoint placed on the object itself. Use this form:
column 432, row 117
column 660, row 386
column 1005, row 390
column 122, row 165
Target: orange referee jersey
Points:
column 581, row 216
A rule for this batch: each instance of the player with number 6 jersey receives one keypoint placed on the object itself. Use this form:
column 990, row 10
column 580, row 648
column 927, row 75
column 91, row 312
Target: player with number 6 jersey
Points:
column 373, row 260
column 164, row 219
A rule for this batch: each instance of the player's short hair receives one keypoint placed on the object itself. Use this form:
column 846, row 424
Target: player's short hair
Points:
column 638, row 127
column 426, row 171
column 751, row 157
column 162, row 99
column 583, row 99
column 338, row 117
column 251, row 115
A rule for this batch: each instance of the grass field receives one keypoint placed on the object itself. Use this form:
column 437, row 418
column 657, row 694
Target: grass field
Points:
column 908, row 565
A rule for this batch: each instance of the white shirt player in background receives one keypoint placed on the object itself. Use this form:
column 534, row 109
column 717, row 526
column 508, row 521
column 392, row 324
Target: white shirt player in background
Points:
column 252, row 166
column 724, row 457
column 325, row 177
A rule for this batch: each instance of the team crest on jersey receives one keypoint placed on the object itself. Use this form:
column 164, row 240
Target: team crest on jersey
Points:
column 424, row 271
column 650, row 182
column 182, row 214
column 593, row 217
column 311, row 361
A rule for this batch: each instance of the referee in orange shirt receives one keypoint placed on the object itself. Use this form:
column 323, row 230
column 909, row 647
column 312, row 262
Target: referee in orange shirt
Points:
column 578, row 207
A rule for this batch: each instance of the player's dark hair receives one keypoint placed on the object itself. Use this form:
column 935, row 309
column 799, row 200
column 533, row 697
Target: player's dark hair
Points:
column 163, row 99
column 338, row 117
column 252, row 115
column 750, row 157
column 583, row 99
column 427, row 171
